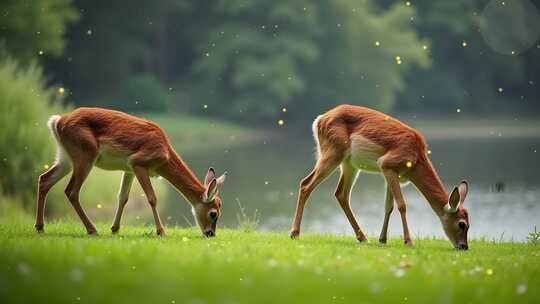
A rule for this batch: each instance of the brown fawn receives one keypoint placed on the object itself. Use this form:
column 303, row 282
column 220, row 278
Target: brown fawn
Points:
column 112, row 140
column 361, row 139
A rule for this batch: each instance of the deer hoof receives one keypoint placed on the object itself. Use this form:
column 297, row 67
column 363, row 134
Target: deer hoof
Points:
column 294, row 234
column 408, row 243
column 115, row 229
column 92, row 231
column 362, row 239
column 160, row 231
column 39, row 228
column 382, row 240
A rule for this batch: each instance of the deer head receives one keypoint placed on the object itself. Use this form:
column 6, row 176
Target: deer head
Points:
column 455, row 219
column 208, row 210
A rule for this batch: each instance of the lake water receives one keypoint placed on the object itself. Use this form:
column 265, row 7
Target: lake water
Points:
column 264, row 176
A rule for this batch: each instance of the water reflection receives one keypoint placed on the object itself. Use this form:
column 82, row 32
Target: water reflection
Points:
column 264, row 175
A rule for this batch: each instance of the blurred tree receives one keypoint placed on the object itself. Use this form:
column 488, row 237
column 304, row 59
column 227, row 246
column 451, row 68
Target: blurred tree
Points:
column 262, row 56
column 249, row 64
column 365, row 55
column 32, row 28
column 115, row 40
column 466, row 72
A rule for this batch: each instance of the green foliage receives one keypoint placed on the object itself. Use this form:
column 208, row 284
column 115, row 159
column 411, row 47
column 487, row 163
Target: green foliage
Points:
column 244, row 60
column 270, row 54
column 28, row 28
column 143, row 93
column 360, row 47
column 68, row 266
column 469, row 77
column 25, row 145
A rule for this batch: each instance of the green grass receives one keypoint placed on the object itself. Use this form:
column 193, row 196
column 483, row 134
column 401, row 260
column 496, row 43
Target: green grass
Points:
column 192, row 134
column 64, row 265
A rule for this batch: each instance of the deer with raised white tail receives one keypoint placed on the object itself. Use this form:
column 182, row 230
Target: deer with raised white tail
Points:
column 113, row 140
column 361, row 139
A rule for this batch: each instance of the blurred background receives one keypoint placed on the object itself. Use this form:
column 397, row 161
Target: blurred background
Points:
column 237, row 83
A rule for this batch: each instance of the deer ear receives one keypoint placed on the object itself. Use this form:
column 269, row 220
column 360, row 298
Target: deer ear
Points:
column 220, row 180
column 453, row 201
column 210, row 175
column 210, row 193
column 463, row 189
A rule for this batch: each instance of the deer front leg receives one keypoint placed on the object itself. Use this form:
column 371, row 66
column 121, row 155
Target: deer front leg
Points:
column 323, row 168
column 389, row 207
column 123, row 195
column 392, row 179
column 144, row 179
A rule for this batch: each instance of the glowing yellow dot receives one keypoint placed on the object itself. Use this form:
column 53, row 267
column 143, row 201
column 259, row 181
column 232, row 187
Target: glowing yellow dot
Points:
column 377, row 43
column 280, row 122
column 424, row 47
column 398, row 62
column 458, row 110
column 99, row 206
column 398, row 58
column 284, row 110
column 464, row 43
column 409, row 164
column 46, row 166
column 500, row 90
column 40, row 52
column 489, row 271
column 408, row 3
column 185, row 239
column 205, row 106
column 428, row 151
column 61, row 90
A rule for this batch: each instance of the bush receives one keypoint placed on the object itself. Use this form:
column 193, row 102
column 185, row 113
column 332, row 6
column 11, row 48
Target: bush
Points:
column 25, row 145
column 144, row 93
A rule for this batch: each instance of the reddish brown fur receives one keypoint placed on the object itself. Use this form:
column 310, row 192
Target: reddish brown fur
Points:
column 144, row 145
column 401, row 144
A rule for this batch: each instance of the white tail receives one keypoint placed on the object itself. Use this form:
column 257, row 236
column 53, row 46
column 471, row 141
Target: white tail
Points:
column 61, row 156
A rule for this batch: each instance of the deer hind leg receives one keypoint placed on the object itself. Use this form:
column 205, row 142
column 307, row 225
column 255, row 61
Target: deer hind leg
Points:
column 387, row 164
column 343, row 194
column 45, row 182
column 123, row 195
column 81, row 169
column 144, row 179
column 326, row 164
column 389, row 207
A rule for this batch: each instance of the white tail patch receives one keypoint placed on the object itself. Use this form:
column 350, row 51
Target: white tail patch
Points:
column 315, row 129
column 61, row 155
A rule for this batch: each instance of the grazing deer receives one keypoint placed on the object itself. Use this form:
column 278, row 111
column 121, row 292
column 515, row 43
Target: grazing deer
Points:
column 114, row 140
column 357, row 138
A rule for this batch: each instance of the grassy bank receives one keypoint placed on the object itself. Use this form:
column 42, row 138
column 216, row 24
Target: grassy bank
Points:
column 66, row 266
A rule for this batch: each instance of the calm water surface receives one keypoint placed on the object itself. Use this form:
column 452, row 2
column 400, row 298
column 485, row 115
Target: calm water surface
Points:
column 264, row 176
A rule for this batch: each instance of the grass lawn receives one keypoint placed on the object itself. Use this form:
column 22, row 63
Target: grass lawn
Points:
column 66, row 266
column 189, row 134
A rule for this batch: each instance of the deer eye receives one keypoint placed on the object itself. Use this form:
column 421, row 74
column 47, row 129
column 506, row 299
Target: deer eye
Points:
column 212, row 215
column 462, row 225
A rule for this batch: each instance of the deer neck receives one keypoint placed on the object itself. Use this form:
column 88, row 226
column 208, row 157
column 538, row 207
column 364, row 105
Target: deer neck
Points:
column 180, row 176
column 426, row 179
